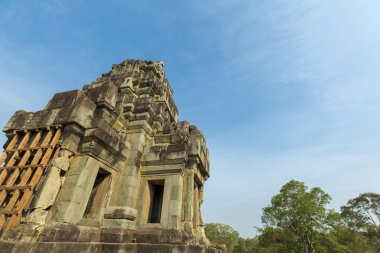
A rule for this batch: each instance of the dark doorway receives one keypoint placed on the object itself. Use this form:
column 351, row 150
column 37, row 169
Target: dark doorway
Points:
column 157, row 193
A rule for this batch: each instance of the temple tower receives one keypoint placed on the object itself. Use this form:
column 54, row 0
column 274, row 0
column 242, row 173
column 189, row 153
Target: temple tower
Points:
column 108, row 168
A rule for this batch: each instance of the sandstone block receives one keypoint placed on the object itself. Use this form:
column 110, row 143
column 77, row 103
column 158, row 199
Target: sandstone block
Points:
column 104, row 95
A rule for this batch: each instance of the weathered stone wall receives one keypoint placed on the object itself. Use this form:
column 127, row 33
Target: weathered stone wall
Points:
column 121, row 142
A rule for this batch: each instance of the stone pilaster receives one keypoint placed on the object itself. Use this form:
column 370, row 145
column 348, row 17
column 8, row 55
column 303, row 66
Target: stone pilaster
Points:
column 188, row 199
column 174, row 186
column 72, row 200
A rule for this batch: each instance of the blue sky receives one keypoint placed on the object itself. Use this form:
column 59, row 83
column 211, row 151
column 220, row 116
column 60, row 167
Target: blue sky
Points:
column 281, row 89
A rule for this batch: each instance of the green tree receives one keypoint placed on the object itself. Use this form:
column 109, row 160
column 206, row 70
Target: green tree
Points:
column 241, row 246
column 299, row 212
column 252, row 245
column 362, row 214
column 329, row 243
column 354, row 241
column 219, row 233
column 275, row 240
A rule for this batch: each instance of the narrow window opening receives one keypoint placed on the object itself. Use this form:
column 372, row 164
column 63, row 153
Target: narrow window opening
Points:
column 98, row 195
column 156, row 189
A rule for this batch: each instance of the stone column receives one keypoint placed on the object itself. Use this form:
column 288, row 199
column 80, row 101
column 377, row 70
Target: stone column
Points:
column 72, row 200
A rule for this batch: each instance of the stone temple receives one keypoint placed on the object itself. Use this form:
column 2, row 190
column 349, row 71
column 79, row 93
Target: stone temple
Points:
column 108, row 168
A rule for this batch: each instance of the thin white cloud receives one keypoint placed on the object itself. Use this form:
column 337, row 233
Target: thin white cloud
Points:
column 338, row 53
